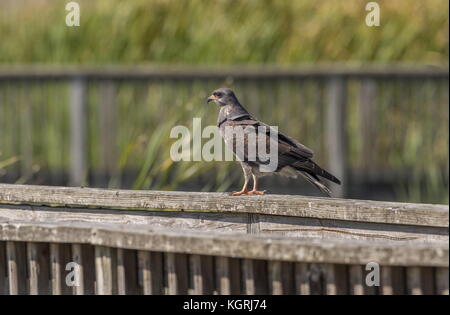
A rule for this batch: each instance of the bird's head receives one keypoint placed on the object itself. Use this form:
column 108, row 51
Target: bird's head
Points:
column 222, row 97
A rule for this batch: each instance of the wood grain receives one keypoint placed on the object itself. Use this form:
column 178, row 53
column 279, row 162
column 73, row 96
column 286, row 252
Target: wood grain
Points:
column 299, row 206
column 230, row 245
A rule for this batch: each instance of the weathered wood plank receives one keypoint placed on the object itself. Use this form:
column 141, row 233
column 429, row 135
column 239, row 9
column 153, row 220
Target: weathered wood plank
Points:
column 414, row 281
column 223, row 275
column 78, row 122
column 104, row 270
column 331, row 287
column 145, row 272
column 248, row 276
column 121, row 279
column 356, row 280
column 219, row 73
column 77, row 258
column 208, row 274
column 131, row 276
column 336, row 138
column 442, row 281
column 33, row 267
column 349, row 230
column 170, row 268
column 38, row 268
column 386, row 281
column 230, row 245
column 55, row 269
column 11, row 257
column 195, row 272
column 302, row 279
column 276, row 287
column 300, row 206
column 231, row 222
column 3, row 269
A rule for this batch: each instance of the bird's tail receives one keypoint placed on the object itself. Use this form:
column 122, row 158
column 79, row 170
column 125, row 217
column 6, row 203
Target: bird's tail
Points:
column 315, row 169
column 316, row 182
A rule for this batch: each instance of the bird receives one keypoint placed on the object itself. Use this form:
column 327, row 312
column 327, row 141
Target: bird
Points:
column 293, row 158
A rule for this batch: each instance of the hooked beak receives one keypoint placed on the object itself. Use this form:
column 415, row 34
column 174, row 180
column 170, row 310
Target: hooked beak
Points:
column 211, row 98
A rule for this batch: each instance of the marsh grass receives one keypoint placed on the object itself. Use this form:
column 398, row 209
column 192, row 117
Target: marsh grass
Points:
column 411, row 117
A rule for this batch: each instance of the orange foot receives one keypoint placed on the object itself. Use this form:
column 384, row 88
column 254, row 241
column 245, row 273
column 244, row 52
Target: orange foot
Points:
column 239, row 193
column 257, row 192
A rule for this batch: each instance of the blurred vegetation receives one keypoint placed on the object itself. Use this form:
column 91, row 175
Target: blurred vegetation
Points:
column 223, row 32
column 411, row 117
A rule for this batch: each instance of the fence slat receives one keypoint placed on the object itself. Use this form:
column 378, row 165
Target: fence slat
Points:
column 223, row 275
column 414, row 281
column 195, row 271
column 33, row 268
column 78, row 140
column 248, row 275
column 145, row 271
column 302, row 279
column 172, row 281
column 442, row 281
column 121, row 278
column 103, row 270
column 13, row 277
column 276, row 287
column 330, row 279
column 3, row 269
column 55, row 269
column 356, row 280
column 108, row 128
column 336, row 131
column 77, row 257
column 386, row 281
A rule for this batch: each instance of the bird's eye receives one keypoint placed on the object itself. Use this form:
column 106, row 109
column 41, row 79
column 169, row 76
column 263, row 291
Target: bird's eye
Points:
column 219, row 95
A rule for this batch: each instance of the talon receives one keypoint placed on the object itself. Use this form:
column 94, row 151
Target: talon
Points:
column 239, row 193
column 257, row 192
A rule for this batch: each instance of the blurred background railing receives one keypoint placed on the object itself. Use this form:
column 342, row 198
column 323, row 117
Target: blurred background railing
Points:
column 383, row 130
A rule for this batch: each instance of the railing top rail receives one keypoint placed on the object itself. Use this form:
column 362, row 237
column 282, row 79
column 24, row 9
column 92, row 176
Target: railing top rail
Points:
column 203, row 72
column 241, row 246
column 285, row 205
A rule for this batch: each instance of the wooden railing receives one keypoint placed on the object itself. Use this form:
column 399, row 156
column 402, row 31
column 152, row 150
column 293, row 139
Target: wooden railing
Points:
column 159, row 242
column 335, row 80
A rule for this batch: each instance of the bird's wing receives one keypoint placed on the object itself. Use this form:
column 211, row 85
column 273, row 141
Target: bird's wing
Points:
column 294, row 146
column 289, row 149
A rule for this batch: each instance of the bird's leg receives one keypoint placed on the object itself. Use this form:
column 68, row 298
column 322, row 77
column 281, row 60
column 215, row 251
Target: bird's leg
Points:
column 244, row 190
column 255, row 190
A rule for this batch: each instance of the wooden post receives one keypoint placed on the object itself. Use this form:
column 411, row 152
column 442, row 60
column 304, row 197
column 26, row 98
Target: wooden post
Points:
column 145, row 271
column 276, row 287
column 121, row 278
column 171, row 273
column 442, row 281
column 77, row 257
column 55, row 268
column 33, row 267
column 336, row 131
column 414, row 283
column 249, row 276
column 3, row 272
column 367, row 125
column 13, row 276
column 195, row 266
column 223, row 275
column 108, row 129
column 78, row 125
column 104, row 270
column 386, row 281
column 356, row 280
column 302, row 279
